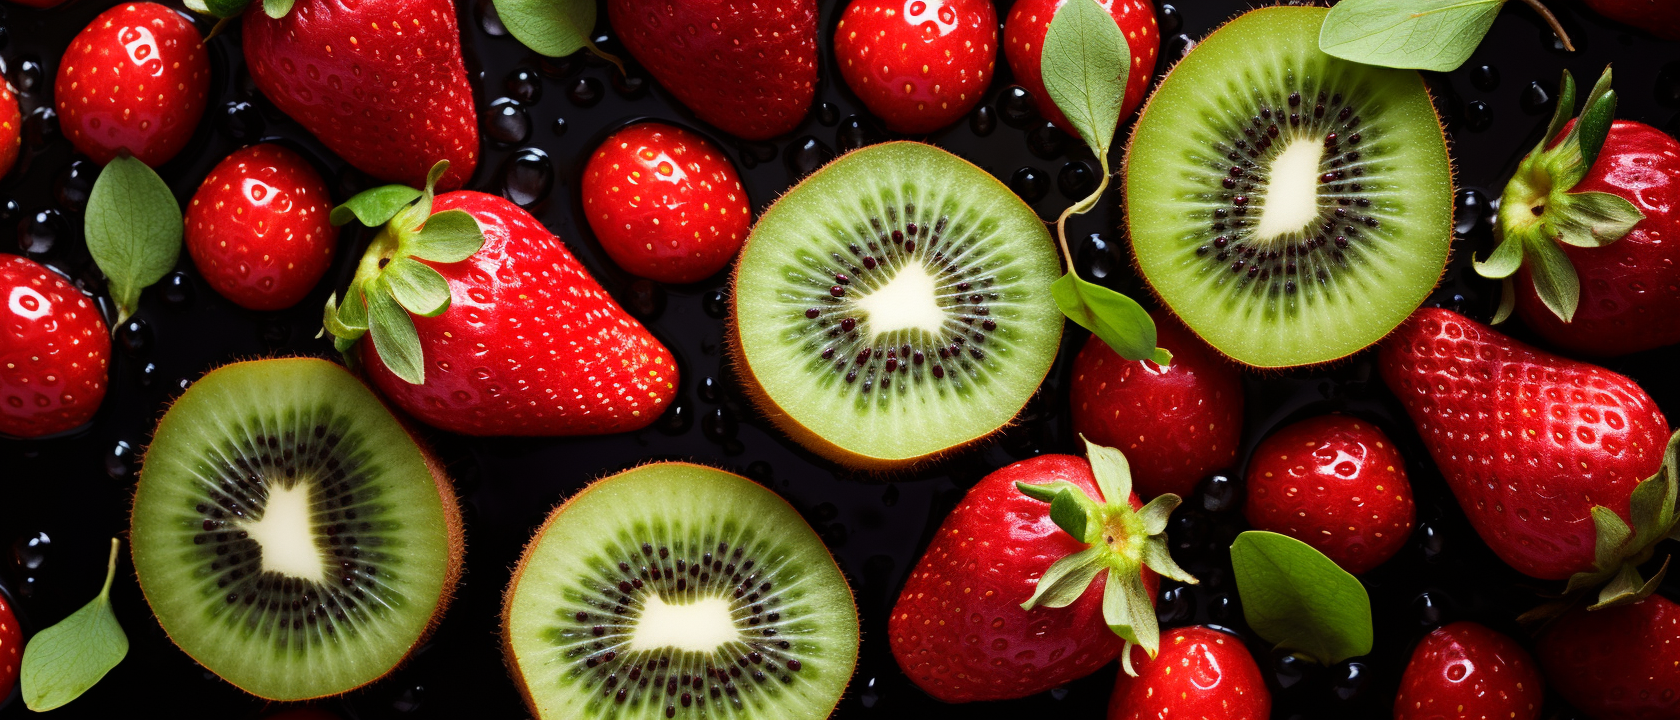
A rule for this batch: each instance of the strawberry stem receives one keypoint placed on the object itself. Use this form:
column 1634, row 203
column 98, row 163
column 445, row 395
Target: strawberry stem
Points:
column 1557, row 28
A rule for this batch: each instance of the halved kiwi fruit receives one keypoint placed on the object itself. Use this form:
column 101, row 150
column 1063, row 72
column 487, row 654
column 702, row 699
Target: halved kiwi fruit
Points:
column 676, row 590
column 1290, row 206
column 288, row 533
column 895, row 305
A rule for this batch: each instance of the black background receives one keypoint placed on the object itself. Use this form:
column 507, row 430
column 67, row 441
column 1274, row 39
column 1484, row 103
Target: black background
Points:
column 61, row 499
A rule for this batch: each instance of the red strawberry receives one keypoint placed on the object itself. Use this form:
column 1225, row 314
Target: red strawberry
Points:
column 380, row 83
column 749, row 68
column 1176, row 424
column 1468, row 672
column 54, row 360
column 665, row 203
column 1529, row 442
column 11, row 128
column 918, row 65
column 1006, row 603
column 1618, row 663
column 1336, row 483
column 134, row 79
column 1201, row 674
column 1658, row 17
column 257, row 228
column 1023, row 45
column 509, row 335
column 11, row 650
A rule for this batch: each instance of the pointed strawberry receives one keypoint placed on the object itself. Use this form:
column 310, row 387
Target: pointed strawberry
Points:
column 1465, row 671
column 1619, row 663
column 11, row 129
column 918, row 65
column 749, row 68
column 482, row 323
column 55, row 352
column 257, row 227
column 1023, row 45
column 134, row 79
column 1201, row 674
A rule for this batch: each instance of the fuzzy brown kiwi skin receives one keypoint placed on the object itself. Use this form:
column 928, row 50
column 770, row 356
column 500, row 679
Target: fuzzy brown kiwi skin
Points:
column 1137, row 267
column 808, row 438
column 508, row 656
column 451, row 519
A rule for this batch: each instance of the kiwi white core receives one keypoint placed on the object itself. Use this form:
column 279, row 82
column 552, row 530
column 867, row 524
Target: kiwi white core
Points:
column 700, row 626
column 909, row 301
column 1291, row 200
column 286, row 535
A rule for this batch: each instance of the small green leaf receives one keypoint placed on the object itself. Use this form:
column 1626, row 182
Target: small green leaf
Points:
column 1507, row 301
column 1555, row 280
column 1158, row 558
column 555, row 28
column 1416, row 34
column 226, row 8
column 1154, row 514
column 1295, row 597
column 1070, row 514
column 63, row 661
column 1117, row 319
column 353, row 313
column 277, row 8
column 1613, row 536
column 197, row 6
column 1085, row 64
column 417, row 287
column 1046, row 492
column 1561, row 112
column 447, row 237
column 1113, row 472
column 1591, row 219
column 375, row 206
column 1128, row 611
column 133, row 229
column 1504, row 260
column 394, row 336
column 1596, row 116
column 1067, row 578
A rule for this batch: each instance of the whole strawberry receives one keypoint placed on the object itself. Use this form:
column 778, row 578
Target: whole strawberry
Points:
column 1336, row 483
column 1006, row 602
column 1469, row 672
column 54, row 351
column 1592, row 246
column 665, row 204
column 1023, row 45
column 11, row 650
column 257, row 228
column 482, row 323
column 1200, row 673
column 918, row 65
column 1619, row 663
column 11, row 129
column 1176, row 424
column 381, row 84
column 1658, row 17
column 134, row 79
column 750, row 68
column 1528, row 441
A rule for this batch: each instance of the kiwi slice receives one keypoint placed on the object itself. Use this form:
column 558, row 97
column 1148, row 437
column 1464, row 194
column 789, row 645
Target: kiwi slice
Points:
column 288, row 533
column 675, row 590
column 1290, row 206
column 895, row 305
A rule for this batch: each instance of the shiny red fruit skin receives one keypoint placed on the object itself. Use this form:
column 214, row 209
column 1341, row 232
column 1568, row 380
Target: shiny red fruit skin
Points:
column 11, row 650
column 1336, row 483
column 55, row 352
column 1620, row 663
column 1528, row 441
column 1200, row 674
column 1176, row 424
column 257, row 228
column 958, row 629
column 1465, row 671
column 135, row 78
column 1630, row 289
column 749, row 68
column 1658, row 17
column 1023, row 46
column 379, row 82
column 665, row 203
column 918, row 65
column 530, row 344
column 11, row 129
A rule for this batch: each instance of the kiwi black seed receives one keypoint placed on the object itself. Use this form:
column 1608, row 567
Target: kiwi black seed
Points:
column 675, row 590
column 288, row 533
column 1292, row 207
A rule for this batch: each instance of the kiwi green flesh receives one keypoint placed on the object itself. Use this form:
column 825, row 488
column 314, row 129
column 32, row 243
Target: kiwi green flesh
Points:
column 1355, row 240
column 679, row 591
column 287, row 532
column 896, row 303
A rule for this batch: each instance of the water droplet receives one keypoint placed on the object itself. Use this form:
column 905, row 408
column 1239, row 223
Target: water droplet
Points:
column 39, row 232
column 1535, row 99
column 710, row 389
column 983, row 120
column 559, row 127
column 41, row 127
column 409, row 699
column 1218, row 493
column 1290, row 669
column 719, row 425
column 10, row 210
column 276, row 333
column 1030, row 184
column 527, row 177
column 73, row 184
column 828, row 114
column 29, row 77
column 1430, row 541
column 135, row 337
column 647, row 299
column 1428, row 609
column 1076, row 180
column 1173, row 608
column 490, row 20
column 715, row 304
column 242, row 120
column 629, row 87
column 1471, row 211
column 146, row 373
column 870, row 696
column 1097, row 258
column 1047, row 141
column 523, row 85
column 176, row 288
column 506, row 122
column 1485, row 78
column 1176, row 47
column 585, row 92
column 805, row 155
column 855, row 132
column 760, row 472
column 1015, row 106
column 1060, row 693
column 677, row 418
column 1477, row 116
column 29, row 551
column 1349, row 680
column 119, row 463
column 1169, row 19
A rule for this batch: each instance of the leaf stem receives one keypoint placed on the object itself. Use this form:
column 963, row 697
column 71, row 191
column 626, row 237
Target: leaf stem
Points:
column 1551, row 20
column 110, row 569
column 1079, row 208
column 609, row 57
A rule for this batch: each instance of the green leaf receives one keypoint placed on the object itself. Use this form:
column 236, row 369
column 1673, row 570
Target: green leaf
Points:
column 1596, row 116
column 277, row 8
column 1085, row 64
column 1555, row 280
column 1070, row 514
column 1046, row 492
column 1113, row 473
column 1153, row 515
column 417, row 287
column 1504, row 260
column 226, row 8
column 1296, row 598
column 394, row 336
column 1416, row 34
column 555, row 28
column 447, row 237
column 63, row 661
column 1591, row 219
column 197, row 6
column 353, row 313
column 1507, row 301
column 1128, row 611
column 1561, row 112
column 133, row 230
column 375, row 206
column 1117, row 319
column 1613, row 536
column 1067, row 578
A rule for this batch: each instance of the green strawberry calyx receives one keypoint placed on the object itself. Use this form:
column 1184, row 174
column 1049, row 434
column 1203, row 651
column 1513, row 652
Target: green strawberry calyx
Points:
column 390, row 281
column 1538, row 210
column 1621, row 549
column 228, row 9
column 1118, row 539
